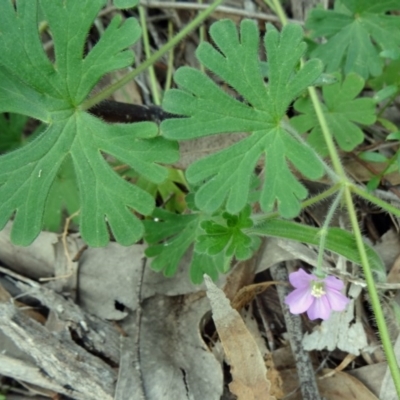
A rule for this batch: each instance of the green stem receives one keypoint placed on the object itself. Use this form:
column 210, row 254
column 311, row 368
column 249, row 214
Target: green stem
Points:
column 376, row 305
column 153, row 80
column 348, row 187
column 333, row 154
column 277, row 8
column 260, row 218
column 323, row 232
column 170, row 65
column 104, row 94
column 375, row 200
column 319, row 197
column 202, row 36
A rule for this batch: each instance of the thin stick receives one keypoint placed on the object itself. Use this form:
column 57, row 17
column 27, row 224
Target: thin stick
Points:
column 138, row 366
column 305, row 371
column 222, row 9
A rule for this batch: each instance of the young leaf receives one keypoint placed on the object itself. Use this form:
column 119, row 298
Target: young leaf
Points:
column 343, row 111
column 338, row 240
column 30, row 84
column 226, row 175
column 356, row 33
column 228, row 237
column 170, row 236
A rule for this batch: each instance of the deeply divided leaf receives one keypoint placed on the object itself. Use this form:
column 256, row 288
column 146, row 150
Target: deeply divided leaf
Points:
column 226, row 175
column 343, row 112
column 227, row 236
column 170, row 237
column 356, row 33
column 33, row 85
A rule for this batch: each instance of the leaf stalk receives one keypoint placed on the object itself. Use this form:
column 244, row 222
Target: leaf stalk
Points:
column 348, row 187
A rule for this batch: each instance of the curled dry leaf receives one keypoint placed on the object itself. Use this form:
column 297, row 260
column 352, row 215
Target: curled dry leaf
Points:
column 249, row 374
column 248, row 293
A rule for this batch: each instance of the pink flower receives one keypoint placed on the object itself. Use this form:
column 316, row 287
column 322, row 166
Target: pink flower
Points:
column 315, row 295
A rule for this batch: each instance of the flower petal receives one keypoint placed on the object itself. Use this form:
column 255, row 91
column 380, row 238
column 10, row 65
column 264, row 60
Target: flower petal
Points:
column 331, row 282
column 320, row 308
column 299, row 300
column 337, row 300
column 300, row 279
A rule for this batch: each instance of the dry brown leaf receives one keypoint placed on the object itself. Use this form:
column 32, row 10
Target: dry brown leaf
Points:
column 129, row 93
column 337, row 387
column 283, row 357
column 363, row 171
column 389, row 249
column 274, row 377
column 248, row 293
column 345, row 362
column 193, row 150
column 272, row 372
column 241, row 275
column 174, row 362
column 394, row 274
column 249, row 374
column 371, row 376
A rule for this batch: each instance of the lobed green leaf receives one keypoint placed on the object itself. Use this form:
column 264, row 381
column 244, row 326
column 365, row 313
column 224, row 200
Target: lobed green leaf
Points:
column 343, row 112
column 31, row 84
column 228, row 236
column 226, row 175
column 170, row 237
column 356, row 33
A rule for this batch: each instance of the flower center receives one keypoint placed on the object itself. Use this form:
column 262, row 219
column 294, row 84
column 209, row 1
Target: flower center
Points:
column 318, row 289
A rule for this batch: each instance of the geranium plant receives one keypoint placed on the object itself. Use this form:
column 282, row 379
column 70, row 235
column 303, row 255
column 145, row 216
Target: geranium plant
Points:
column 218, row 219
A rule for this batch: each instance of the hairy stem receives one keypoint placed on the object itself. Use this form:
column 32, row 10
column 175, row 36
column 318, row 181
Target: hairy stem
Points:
column 260, row 218
column 153, row 80
column 348, row 187
column 324, row 231
column 376, row 305
column 375, row 200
